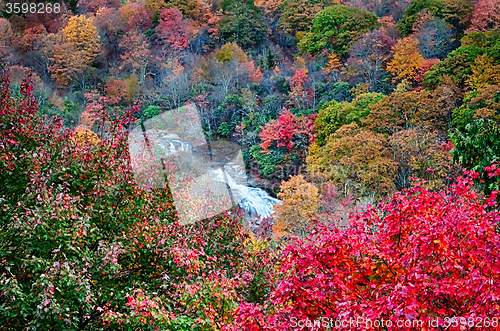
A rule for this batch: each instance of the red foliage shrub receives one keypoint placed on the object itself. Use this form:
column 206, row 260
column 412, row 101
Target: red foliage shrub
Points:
column 285, row 130
column 424, row 255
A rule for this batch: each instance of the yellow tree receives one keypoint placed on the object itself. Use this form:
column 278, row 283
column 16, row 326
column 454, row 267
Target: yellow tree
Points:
column 82, row 34
column 355, row 158
column 484, row 73
column 333, row 66
column 300, row 200
column 66, row 64
column 78, row 48
column 229, row 52
column 407, row 59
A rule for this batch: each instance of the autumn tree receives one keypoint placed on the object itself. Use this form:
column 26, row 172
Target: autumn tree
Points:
column 66, row 66
column 424, row 68
column 458, row 64
column 333, row 66
column 336, row 206
column 137, row 55
column 435, row 38
column 283, row 144
column 6, row 37
column 455, row 12
column 32, row 34
column 301, row 96
column 287, row 131
column 300, row 203
column 356, row 159
column 137, row 16
column 405, row 110
column 52, row 22
column 427, row 253
column 406, row 59
column 173, row 83
column 333, row 115
column 297, row 15
column 171, row 31
column 110, row 24
column 486, row 16
column 189, row 8
column 485, row 72
column 336, row 28
column 447, row 97
column 271, row 8
column 229, row 52
column 369, row 55
column 85, row 247
column 422, row 154
column 121, row 92
column 476, row 123
column 223, row 69
column 222, row 74
column 78, row 48
column 155, row 5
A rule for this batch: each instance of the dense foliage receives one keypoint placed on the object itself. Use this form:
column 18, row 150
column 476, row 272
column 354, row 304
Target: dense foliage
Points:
column 375, row 122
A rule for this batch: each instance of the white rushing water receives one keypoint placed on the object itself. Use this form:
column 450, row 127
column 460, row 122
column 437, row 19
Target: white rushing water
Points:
column 255, row 201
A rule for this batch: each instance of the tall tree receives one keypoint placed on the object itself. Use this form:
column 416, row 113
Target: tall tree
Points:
column 77, row 49
column 137, row 56
column 458, row 64
column 297, row 15
column 243, row 24
column 435, row 37
column 137, row 16
column 336, row 28
column 271, row 8
column 356, row 159
column 406, row 59
column 455, row 12
column 333, row 115
column 171, row 31
column 486, row 16
column 82, row 34
column 301, row 202
column 369, row 55
column 6, row 38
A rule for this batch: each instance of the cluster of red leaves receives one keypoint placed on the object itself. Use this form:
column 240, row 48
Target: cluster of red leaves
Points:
column 421, row 256
column 299, row 79
column 172, row 29
column 287, row 129
column 486, row 15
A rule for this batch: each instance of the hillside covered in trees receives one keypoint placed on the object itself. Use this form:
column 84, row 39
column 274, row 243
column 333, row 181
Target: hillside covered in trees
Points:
column 375, row 122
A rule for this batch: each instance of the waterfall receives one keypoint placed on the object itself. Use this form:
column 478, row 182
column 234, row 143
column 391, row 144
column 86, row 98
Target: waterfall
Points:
column 255, row 201
column 172, row 147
